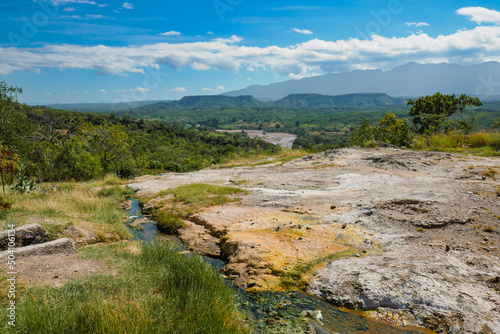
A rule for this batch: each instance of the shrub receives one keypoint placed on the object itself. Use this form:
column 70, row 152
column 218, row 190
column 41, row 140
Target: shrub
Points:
column 23, row 185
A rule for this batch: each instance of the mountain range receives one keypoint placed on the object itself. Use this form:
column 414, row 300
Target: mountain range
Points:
column 410, row 80
column 303, row 101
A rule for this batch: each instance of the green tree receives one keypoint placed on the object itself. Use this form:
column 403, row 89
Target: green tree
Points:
column 431, row 114
column 15, row 127
column 395, row 131
column 365, row 135
column 8, row 163
column 112, row 143
column 75, row 161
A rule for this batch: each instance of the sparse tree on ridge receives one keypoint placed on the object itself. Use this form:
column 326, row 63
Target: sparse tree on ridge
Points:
column 431, row 114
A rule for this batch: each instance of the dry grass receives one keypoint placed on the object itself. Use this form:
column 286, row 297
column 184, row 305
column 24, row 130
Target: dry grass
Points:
column 57, row 206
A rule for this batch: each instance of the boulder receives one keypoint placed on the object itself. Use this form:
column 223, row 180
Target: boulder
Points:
column 25, row 235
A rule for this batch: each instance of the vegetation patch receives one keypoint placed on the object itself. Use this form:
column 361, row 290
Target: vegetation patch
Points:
column 184, row 201
column 58, row 206
column 158, row 291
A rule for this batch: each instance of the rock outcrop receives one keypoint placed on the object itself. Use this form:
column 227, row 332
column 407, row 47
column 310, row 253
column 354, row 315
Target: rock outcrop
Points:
column 424, row 227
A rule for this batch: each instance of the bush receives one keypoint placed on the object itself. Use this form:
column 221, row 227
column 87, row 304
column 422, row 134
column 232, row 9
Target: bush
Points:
column 390, row 129
column 23, row 185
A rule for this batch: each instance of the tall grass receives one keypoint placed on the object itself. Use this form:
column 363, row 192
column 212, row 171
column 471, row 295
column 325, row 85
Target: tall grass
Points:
column 480, row 142
column 158, row 291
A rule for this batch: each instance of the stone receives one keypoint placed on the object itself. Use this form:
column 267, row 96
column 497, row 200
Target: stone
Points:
column 59, row 246
column 25, row 235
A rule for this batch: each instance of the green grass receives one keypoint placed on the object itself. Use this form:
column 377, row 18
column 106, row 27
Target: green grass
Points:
column 157, row 291
column 187, row 200
column 115, row 191
column 202, row 194
column 168, row 221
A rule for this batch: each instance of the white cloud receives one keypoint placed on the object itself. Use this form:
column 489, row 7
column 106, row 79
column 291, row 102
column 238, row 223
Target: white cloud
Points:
column 69, row 9
column 62, row 2
column 48, row 93
column 170, row 33
column 295, row 61
column 417, row 24
column 480, row 14
column 142, row 90
column 217, row 89
column 128, row 5
column 210, row 33
column 179, row 89
column 86, row 17
column 302, row 31
column 101, row 91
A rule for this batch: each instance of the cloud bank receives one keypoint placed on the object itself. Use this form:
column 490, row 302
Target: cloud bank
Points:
column 313, row 57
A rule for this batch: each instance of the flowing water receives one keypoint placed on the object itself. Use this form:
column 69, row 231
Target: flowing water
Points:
column 288, row 306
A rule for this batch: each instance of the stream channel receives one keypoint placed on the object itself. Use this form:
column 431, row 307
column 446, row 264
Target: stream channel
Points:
column 264, row 307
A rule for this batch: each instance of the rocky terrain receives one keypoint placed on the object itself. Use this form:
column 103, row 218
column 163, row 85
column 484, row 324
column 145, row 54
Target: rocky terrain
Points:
column 277, row 138
column 416, row 233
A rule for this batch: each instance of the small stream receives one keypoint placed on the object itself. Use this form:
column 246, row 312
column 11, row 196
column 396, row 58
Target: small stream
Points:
column 289, row 306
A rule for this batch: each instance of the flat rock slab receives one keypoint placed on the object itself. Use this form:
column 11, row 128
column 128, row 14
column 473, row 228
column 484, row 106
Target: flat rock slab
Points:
column 435, row 215
column 437, row 289
column 25, row 235
column 63, row 245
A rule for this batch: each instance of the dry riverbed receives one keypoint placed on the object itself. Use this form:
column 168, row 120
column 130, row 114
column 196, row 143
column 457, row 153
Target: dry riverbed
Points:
column 417, row 233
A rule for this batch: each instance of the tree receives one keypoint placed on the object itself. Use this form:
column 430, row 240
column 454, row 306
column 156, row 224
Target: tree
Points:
column 431, row 114
column 390, row 129
column 395, row 131
column 8, row 162
column 74, row 161
column 112, row 144
column 15, row 127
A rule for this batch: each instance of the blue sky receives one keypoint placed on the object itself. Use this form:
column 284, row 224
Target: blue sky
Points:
column 115, row 51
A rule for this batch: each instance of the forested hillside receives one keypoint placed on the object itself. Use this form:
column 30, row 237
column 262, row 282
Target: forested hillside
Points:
column 62, row 145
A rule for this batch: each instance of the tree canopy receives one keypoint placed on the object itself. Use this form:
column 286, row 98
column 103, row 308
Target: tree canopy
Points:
column 431, row 114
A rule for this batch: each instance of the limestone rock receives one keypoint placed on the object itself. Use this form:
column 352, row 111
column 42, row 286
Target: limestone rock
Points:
column 63, row 245
column 31, row 234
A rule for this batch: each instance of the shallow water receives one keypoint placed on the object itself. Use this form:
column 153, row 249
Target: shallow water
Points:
column 285, row 305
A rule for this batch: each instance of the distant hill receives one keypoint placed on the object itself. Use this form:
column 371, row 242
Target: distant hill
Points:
column 203, row 102
column 102, row 107
column 318, row 101
column 218, row 101
column 410, row 80
column 305, row 101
